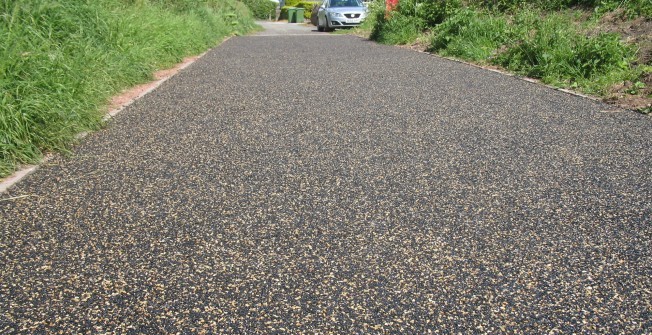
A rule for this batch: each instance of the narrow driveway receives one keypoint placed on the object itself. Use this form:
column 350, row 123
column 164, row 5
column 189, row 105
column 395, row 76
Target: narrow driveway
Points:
column 315, row 184
column 283, row 28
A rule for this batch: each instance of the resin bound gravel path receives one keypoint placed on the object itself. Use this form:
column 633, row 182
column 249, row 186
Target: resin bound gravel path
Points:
column 329, row 185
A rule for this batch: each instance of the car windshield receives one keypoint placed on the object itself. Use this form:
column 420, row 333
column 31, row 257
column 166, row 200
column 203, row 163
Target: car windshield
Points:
column 346, row 3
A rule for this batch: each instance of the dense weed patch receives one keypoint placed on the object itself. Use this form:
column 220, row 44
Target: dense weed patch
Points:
column 399, row 29
column 60, row 61
column 471, row 35
column 552, row 48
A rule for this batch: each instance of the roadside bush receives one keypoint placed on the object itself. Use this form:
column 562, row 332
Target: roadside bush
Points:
column 307, row 7
column 284, row 13
column 551, row 48
column 544, row 48
column 434, row 12
column 399, row 27
column 601, row 54
column 261, row 9
column 632, row 8
column 376, row 11
column 292, row 3
column 471, row 34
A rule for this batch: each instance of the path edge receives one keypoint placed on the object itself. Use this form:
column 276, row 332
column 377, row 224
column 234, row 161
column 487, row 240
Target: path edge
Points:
column 7, row 182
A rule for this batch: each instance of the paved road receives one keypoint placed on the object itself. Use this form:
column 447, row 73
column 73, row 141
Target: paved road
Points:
column 326, row 184
column 282, row 28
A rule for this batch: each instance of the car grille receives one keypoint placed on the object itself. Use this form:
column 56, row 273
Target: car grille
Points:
column 352, row 16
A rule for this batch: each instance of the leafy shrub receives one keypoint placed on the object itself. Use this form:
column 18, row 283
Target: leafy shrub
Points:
column 284, row 13
column 632, row 8
column 376, row 11
column 503, row 5
column 546, row 46
column 530, row 37
column 307, row 7
column 543, row 48
column 397, row 29
column 434, row 12
column 451, row 29
column 551, row 48
column 471, row 35
column 261, row 9
column 601, row 54
column 292, row 3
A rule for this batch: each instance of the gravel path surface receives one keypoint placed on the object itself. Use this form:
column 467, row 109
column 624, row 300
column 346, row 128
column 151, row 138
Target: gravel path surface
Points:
column 318, row 185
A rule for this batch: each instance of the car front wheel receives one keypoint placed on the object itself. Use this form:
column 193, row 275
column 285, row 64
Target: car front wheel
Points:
column 327, row 28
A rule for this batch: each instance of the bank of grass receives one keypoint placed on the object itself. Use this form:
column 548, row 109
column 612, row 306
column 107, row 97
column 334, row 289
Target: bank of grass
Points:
column 401, row 29
column 549, row 46
column 61, row 60
column 555, row 41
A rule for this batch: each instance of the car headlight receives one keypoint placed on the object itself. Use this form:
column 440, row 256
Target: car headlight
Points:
column 336, row 14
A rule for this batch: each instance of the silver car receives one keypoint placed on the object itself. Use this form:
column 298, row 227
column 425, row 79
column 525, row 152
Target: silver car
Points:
column 340, row 14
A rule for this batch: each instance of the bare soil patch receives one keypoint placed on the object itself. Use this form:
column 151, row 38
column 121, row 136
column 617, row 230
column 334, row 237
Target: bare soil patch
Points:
column 637, row 32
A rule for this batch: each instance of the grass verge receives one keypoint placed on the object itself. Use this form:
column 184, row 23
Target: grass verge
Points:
column 559, row 43
column 60, row 61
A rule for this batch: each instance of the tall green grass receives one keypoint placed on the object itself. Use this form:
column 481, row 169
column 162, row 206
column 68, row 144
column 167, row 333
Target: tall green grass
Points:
column 471, row 35
column 631, row 7
column 554, row 49
column 397, row 29
column 548, row 46
column 60, row 61
column 400, row 27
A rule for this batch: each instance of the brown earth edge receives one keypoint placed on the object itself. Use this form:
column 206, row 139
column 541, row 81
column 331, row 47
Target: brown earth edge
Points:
column 618, row 98
column 129, row 95
column 115, row 104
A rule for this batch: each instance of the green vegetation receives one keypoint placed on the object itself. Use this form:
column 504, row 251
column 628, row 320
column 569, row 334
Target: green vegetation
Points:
column 60, row 61
column 261, row 9
column 288, row 4
column 399, row 29
column 284, row 13
column 557, row 41
column 554, row 50
column 306, row 5
column 631, row 7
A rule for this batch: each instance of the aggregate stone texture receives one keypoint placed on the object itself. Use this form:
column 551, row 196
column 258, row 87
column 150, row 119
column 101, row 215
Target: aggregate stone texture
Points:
column 331, row 185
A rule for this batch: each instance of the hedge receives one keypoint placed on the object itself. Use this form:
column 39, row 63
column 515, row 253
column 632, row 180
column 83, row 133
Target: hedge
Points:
column 307, row 6
column 261, row 9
